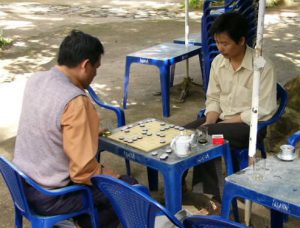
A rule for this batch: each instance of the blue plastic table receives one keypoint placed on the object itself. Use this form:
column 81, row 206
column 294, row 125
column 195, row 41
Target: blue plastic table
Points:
column 173, row 167
column 279, row 189
column 163, row 56
column 194, row 39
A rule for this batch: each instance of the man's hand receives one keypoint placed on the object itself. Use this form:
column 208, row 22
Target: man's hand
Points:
column 211, row 118
column 110, row 172
column 234, row 119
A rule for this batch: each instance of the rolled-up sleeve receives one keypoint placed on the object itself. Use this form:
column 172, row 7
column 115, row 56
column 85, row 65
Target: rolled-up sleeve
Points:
column 80, row 125
column 212, row 102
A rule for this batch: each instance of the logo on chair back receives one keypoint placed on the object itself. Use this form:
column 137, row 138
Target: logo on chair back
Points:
column 144, row 61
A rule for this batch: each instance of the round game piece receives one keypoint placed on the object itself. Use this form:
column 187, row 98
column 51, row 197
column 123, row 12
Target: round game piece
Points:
column 130, row 141
column 130, row 126
column 162, row 141
column 140, row 137
column 154, row 153
column 125, row 140
column 171, row 125
column 142, row 125
column 144, row 132
column 121, row 138
column 162, row 135
column 127, row 131
column 162, row 129
column 176, row 127
column 162, row 124
column 167, row 127
column 158, row 133
column 168, row 150
column 135, row 138
column 163, row 156
column 149, row 133
column 181, row 128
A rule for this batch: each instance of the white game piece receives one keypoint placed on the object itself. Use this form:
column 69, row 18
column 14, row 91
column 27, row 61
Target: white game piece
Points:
column 140, row 137
column 181, row 128
column 162, row 141
column 162, row 129
column 154, row 153
column 162, row 135
column 130, row 141
column 149, row 133
column 127, row 131
column 171, row 125
column 121, row 138
column 162, row 124
column 169, row 150
column 158, row 133
column 163, row 156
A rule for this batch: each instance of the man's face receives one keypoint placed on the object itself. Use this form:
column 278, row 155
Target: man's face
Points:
column 228, row 47
column 90, row 72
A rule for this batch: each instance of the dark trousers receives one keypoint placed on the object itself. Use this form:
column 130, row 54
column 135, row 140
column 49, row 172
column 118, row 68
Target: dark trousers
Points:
column 210, row 173
column 54, row 205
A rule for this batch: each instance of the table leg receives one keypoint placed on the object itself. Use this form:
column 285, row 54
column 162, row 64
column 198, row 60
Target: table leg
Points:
column 152, row 179
column 126, row 82
column 277, row 219
column 165, row 89
column 173, row 188
column 228, row 159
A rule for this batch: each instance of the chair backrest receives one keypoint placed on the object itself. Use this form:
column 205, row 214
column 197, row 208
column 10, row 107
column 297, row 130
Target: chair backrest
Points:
column 282, row 97
column 294, row 138
column 134, row 207
column 13, row 179
column 199, row 221
column 118, row 111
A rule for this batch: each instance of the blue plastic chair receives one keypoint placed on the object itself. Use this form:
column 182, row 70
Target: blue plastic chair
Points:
column 294, row 138
column 120, row 118
column 15, row 180
column 132, row 203
column 242, row 154
column 136, row 208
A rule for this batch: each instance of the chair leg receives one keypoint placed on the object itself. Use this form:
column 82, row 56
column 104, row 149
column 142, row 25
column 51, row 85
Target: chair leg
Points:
column 18, row 218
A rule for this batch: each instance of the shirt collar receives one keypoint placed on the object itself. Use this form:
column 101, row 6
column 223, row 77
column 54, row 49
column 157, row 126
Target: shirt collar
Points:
column 247, row 62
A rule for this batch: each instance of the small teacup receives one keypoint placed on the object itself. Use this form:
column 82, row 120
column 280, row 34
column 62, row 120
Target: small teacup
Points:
column 287, row 151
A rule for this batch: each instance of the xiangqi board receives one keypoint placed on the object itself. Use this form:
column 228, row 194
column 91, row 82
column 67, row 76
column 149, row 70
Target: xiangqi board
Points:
column 148, row 135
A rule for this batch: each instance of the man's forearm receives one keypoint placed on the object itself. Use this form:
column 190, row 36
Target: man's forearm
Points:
column 212, row 117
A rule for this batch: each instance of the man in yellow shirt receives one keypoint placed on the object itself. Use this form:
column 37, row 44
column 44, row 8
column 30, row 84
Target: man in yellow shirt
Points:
column 228, row 103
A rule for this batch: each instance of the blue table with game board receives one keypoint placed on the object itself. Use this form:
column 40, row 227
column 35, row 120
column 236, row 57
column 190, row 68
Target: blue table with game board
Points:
column 172, row 168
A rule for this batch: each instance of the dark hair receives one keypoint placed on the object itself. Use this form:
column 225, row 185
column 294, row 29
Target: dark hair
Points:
column 78, row 46
column 233, row 23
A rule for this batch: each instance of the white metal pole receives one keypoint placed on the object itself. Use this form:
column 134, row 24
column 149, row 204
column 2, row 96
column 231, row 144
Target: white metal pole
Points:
column 259, row 63
column 186, row 32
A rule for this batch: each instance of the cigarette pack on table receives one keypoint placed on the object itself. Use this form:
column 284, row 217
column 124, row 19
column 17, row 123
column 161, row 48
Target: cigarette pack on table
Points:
column 217, row 139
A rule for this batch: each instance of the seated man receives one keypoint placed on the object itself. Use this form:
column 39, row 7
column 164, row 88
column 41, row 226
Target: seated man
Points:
column 228, row 103
column 57, row 139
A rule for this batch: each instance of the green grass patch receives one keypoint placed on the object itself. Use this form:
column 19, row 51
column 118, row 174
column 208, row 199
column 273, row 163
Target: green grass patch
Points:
column 4, row 42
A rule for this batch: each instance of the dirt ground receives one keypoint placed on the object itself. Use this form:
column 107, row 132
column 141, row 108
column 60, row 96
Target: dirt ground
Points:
column 37, row 28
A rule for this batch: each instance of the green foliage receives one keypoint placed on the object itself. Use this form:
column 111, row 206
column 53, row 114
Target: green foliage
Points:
column 196, row 4
column 4, row 41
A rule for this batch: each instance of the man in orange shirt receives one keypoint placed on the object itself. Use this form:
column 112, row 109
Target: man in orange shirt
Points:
column 57, row 139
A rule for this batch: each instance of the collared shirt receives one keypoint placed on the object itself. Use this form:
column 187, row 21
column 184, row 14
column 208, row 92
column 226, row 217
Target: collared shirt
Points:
column 80, row 124
column 229, row 91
